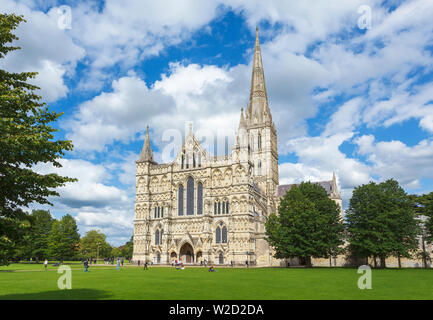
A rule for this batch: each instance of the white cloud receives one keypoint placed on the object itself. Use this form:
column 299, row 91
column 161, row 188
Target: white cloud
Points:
column 46, row 49
column 116, row 115
column 345, row 119
column 394, row 159
column 93, row 202
column 90, row 190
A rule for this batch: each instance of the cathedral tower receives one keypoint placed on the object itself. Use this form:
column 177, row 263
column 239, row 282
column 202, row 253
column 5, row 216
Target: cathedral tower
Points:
column 261, row 131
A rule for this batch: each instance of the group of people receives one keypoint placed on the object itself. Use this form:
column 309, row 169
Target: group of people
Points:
column 178, row 264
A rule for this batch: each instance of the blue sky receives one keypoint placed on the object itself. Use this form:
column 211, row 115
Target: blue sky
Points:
column 344, row 98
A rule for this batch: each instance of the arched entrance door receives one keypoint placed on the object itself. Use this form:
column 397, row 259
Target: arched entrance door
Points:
column 221, row 258
column 199, row 257
column 158, row 258
column 186, row 253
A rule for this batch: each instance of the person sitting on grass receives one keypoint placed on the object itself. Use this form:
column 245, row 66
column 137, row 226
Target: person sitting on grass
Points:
column 181, row 266
column 211, row 269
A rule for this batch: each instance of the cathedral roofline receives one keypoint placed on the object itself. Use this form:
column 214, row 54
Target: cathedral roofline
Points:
column 329, row 185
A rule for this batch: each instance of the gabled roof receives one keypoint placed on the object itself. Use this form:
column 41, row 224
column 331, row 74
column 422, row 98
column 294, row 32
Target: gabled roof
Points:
column 327, row 185
column 191, row 140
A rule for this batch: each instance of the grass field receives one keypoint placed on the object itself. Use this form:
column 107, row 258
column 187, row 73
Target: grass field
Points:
column 29, row 281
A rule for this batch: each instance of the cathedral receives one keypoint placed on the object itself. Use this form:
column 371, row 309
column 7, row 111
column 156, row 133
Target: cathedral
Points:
column 202, row 207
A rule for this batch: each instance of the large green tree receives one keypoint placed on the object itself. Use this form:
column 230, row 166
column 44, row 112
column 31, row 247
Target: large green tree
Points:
column 423, row 206
column 308, row 225
column 41, row 223
column 26, row 139
column 94, row 245
column 381, row 222
column 425, row 209
column 127, row 249
column 63, row 240
column 22, row 248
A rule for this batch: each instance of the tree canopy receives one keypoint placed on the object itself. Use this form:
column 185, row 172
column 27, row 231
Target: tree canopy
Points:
column 381, row 222
column 26, row 139
column 94, row 245
column 308, row 224
column 63, row 240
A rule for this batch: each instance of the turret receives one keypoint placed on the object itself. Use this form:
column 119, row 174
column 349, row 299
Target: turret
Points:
column 146, row 154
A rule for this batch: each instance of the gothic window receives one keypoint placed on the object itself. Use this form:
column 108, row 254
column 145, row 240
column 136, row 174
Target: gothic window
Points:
column 215, row 208
column 199, row 198
column 199, row 159
column 259, row 141
column 157, row 237
column 218, row 235
column 219, row 207
column 193, row 160
column 187, row 162
column 162, row 212
column 159, row 211
column 223, row 207
column 224, row 235
column 180, row 201
column 160, row 236
column 227, row 207
column 190, row 196
column 260, row 168
column 155, row 212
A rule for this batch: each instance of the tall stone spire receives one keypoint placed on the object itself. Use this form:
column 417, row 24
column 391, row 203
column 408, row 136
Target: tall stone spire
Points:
column 334, row 188
column 242, row 124
column 258, row 109
column 146, row 153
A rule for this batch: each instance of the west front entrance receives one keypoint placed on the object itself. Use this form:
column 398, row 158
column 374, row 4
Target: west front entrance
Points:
column 186, row 253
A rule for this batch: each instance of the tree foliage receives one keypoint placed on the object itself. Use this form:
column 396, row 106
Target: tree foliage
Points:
column 26, row 139
column 381, row 222
column 308, row 224
column 127, row 249
column 94, row 245
column 41, row 224
column 424, row 208
column 63, row 240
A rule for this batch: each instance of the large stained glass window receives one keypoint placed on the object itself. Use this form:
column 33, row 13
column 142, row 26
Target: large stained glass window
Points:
column 200, row 198
column 218, row 235
column 224, row 235
column 180, row 201
column 190, row 196
column 157, row 237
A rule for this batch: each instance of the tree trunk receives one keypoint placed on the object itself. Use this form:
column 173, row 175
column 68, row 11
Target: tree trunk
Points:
column 424, row 257
column 375, row 261
column 330, row 261
column 382, row 262
column 308, row 262
column 399, row 261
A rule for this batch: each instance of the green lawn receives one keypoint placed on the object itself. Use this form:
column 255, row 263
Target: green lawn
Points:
column 27, row 281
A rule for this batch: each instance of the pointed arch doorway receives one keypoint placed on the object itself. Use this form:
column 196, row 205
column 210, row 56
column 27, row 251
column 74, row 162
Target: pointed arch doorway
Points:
column 186, row 253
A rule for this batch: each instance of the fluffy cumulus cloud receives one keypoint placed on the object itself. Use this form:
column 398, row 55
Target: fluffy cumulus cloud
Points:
column 117, row 115
column 394, row 159
column 94, row 201
column 46, row 49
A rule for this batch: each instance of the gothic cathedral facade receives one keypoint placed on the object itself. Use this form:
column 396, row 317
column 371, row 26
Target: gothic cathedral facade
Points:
column 214, row 208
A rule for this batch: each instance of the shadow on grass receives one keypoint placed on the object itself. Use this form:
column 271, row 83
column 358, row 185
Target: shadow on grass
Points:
column 72, row 294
